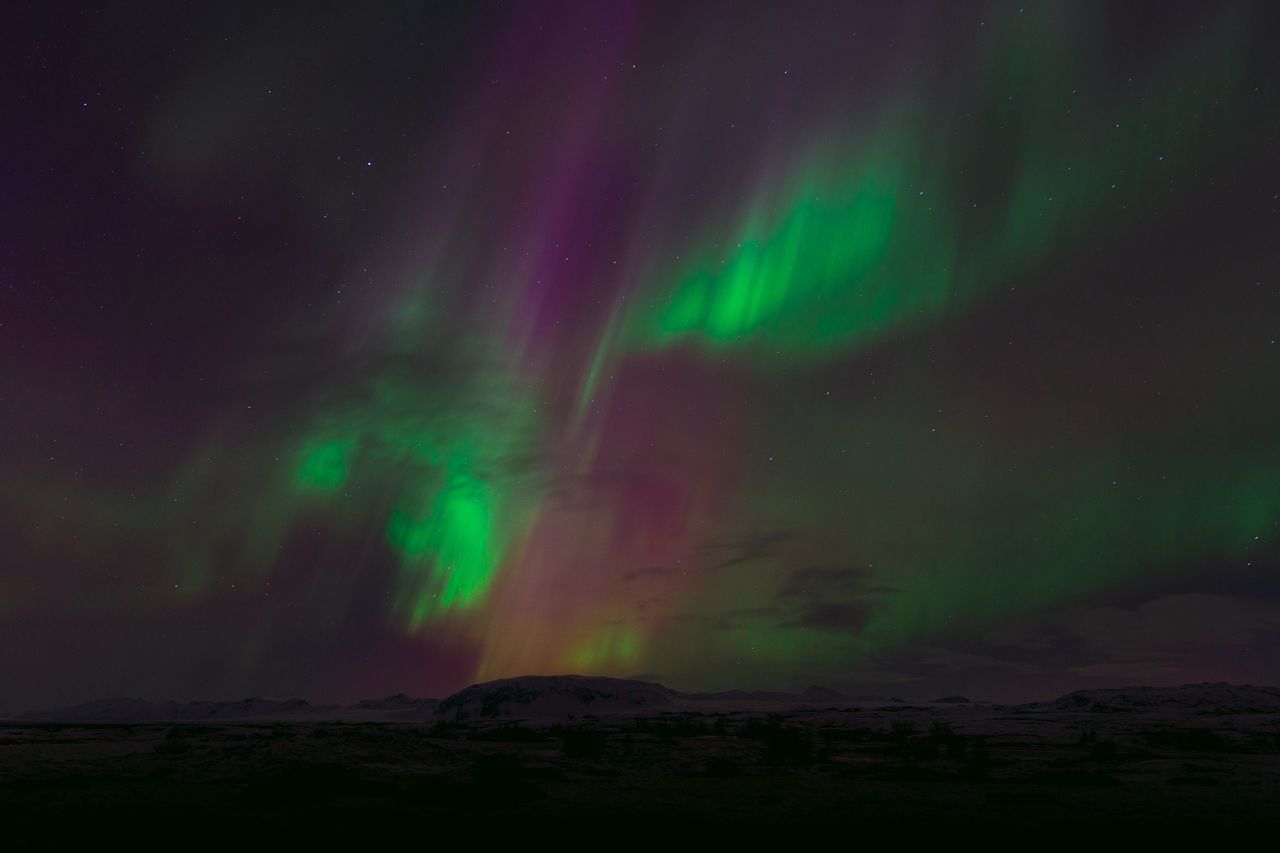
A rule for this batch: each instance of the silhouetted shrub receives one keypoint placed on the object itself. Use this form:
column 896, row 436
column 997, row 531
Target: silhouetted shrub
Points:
column 674, row 726
column 857, row 734
column 503, row 781
column 784, row 746
column 760, row 729
column 511, row 733
column 1072, row 779
column 1264, row 741
column 447, row 729
column 902, row 732
column 1194, row 781
column 723, row 768
column 1105, row 750
column 499, row 768
column 1188, row 740
column 174, row 743
column 905, row 744
column 582, row 743
column 977, row 762
column 942, row 732
column 788, row 748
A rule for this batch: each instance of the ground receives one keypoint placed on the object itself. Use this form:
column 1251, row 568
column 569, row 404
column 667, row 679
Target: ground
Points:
column 936, row 767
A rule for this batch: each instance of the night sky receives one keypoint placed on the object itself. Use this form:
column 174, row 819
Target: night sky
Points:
column 914, row 348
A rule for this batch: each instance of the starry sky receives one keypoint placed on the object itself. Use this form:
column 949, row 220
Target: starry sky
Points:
column 921, row 347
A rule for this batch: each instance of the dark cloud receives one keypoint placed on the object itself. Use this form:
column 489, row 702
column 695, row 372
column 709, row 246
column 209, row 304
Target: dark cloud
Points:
column 752, row 612
column 742, row 617
column 647, row 572
column 726, row 551
column 849, row 616
column 1171, row 625
column 1168, row 638
column 823, row 581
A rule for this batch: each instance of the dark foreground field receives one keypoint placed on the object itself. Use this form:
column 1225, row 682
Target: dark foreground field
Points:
column 1076, row 762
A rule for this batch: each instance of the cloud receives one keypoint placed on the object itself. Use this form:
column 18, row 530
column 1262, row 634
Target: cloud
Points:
column 728, row 551
column 1135, row 671
column 849, row 616
column 1171, row 625
column 953, row 660
column 824, row 582
column 732, row 620
column 1164, row 638
column 647, row 572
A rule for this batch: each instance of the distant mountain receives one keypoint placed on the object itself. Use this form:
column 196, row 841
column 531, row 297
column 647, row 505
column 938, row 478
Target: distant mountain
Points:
column 550, row 696
column 553, row 696
column 739, row 696
column 536, row 696
column 1218, row 698
column 398, row 702
column 142, row 710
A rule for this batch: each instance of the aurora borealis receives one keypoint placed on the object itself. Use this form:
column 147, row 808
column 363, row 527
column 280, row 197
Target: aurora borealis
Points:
column 921, row 347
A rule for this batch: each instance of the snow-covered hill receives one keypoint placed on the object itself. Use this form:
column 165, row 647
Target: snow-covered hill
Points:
column 553, row 696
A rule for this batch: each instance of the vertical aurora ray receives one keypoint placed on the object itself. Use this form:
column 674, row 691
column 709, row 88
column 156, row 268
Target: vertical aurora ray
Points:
column 323, row 466
column 456, row 537
column 838, row 255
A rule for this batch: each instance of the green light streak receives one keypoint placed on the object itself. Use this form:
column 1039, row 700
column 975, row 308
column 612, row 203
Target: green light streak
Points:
column 441, row 458
column 851, row 256
column 612, row 645
column 457, row 542
column 324, row 465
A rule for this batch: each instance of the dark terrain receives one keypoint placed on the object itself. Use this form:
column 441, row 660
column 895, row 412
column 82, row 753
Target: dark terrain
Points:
column 538, row 752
